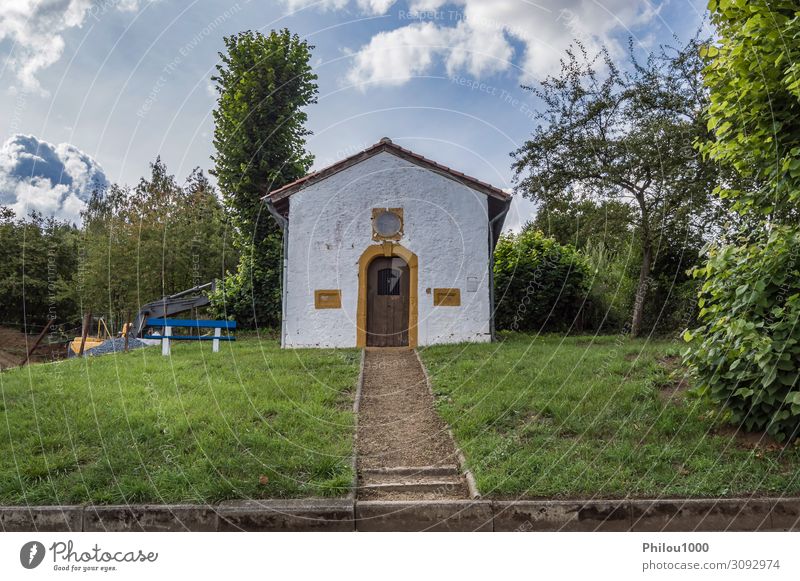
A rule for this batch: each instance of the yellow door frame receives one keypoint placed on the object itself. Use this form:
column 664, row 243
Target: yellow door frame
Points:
column 387, row 249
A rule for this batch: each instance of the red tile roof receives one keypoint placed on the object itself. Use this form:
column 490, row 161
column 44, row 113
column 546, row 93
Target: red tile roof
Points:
column 386, row 144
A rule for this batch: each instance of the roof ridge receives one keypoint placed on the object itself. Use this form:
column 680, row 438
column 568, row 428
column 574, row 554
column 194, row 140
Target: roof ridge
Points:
column 385, row 144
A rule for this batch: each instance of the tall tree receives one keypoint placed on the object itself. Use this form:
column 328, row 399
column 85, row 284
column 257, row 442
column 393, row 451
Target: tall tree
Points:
column 263, row 83
column 614, row 134
column 746, row 351
column 38, row 259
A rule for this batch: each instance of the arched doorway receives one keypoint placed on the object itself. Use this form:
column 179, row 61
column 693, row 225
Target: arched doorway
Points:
column 387, row 296
column 387, row 302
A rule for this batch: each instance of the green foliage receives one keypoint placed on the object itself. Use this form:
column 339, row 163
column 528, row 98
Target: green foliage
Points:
column 153, row 240
column 38, row 258
column 753, row 73
column 571, row 219
column 539, row 283
column 612, row 280
column 746, row 351
column 623, row 136
column 263, row 83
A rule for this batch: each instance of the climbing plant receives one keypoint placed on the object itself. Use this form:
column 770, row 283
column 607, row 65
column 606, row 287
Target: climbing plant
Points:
column 746, row 350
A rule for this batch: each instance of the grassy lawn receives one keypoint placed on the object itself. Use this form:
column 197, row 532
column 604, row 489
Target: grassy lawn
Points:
column 196, row 427
column 603, row 416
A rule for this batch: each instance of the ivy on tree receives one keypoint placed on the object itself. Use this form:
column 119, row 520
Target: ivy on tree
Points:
column 263, row 83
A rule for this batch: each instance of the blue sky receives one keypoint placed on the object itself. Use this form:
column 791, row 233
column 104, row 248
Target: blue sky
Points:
column 111, row 84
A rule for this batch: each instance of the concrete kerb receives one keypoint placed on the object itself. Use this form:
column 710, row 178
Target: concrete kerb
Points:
column 462, row 460
column 356, row 405
column 641, row 515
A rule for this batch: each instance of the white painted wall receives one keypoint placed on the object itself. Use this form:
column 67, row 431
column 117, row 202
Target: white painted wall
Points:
column 445, row 225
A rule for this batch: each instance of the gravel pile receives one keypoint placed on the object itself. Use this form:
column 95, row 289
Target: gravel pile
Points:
column 114, row 346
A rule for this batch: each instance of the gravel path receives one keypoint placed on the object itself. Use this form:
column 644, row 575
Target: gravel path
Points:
column 398, row 425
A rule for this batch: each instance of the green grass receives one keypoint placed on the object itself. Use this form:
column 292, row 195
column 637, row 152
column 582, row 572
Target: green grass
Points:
column 196, row 427
column 582, row 416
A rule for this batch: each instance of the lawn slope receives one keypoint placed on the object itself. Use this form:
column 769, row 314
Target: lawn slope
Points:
column 252, row 421
column 595, row 416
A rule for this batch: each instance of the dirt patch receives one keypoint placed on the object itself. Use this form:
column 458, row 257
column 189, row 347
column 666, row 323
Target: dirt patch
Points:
column 674, row 390
column 14, row 345
column 397, row 423
column 670, row 362
column 750, row 440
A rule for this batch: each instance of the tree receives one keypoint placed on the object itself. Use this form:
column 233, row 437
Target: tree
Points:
column 623, row 135
column 746, row 351
column 580, row 221
column 153, row 240
column 263, row 83
column 38, row 259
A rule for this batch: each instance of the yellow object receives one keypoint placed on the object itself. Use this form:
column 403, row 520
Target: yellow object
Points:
column 328, row 299
column 447, row 297
column 91, row 341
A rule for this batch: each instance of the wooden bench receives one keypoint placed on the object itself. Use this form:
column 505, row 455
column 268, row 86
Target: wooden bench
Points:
column 169, row 324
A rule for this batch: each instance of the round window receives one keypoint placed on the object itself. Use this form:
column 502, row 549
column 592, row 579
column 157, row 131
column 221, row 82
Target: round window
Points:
column 387, row 224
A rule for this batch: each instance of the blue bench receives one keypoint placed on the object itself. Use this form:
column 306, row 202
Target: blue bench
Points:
column 168, row 324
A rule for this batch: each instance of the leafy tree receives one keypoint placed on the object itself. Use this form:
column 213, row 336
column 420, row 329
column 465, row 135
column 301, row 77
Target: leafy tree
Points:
column 582, row 221
column 153, row 240
column 746, row 351
column 614, row 135
column 263, row 83
column 38, row 258
column 539, row 283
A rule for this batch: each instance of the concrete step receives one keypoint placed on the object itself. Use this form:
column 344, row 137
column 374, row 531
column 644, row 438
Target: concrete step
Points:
column 414, row 471
column 412, row 482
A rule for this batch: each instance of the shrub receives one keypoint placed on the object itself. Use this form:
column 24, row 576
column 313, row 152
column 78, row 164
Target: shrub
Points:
column 539, row 283
column 747, row 350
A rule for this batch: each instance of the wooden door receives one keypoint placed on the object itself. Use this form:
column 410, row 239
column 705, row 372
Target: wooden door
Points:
column 387, row 302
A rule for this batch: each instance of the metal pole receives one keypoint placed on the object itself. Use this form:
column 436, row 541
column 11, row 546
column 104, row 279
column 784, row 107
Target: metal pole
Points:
column 36, row 342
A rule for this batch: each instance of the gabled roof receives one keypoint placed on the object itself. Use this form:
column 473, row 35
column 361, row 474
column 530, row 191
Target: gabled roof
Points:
column 385, row 144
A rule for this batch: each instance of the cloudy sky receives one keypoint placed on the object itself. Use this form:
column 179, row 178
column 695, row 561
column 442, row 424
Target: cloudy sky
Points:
column 93, row 90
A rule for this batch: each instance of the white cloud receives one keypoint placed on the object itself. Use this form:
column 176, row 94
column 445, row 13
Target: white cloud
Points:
column 32, row 29
column 376, row 6
column 295, row 5
column 475, row 36
column 55, row 180
column 394, row 57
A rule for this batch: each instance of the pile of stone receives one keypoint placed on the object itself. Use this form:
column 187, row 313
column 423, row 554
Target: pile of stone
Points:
column 115, row 346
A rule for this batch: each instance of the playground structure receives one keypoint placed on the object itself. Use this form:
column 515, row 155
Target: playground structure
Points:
column 152, row 326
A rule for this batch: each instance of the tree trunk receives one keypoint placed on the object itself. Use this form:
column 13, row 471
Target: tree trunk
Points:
column 641, row 289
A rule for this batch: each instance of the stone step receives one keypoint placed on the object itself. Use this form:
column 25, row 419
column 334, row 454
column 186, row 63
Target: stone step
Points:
column 443, row 470
column 443, row 487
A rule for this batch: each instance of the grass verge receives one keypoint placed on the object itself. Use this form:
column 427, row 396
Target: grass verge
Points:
column 252, row 421
column 595, row 416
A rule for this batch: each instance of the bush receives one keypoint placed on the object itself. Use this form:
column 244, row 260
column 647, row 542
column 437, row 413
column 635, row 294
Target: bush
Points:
column 746, row 353
column 539, row 283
